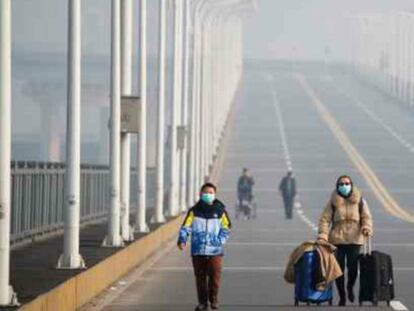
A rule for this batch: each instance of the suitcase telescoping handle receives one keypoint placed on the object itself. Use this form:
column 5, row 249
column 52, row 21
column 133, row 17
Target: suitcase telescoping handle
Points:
column 367, row 245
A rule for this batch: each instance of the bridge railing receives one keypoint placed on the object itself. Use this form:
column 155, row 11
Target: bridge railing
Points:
column 37, row 196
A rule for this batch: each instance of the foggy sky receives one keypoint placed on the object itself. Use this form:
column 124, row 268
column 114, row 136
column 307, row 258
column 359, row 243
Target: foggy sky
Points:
column 277, row 28
column 308, row 26
column 280, row 29
column 41, row 25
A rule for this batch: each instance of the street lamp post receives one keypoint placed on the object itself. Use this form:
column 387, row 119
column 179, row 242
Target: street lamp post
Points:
column 71, row 259
column 174, row 163
column 159, row 196
column 126, row 89
column 141, row 224
column 185, row 106
column 113, row 238
column 195, row 111
column 7, row 296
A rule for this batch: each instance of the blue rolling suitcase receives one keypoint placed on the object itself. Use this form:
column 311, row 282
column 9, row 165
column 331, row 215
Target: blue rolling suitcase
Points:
column 305, row 280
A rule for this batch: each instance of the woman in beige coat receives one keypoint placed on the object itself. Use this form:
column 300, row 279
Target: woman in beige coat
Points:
column 346, row 222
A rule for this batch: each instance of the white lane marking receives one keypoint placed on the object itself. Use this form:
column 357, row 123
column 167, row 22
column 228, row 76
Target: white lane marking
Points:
column 263, row 243
column 285, row 147
column 258, row 230
column 398, row 306
column 263, row 211
column 275, row 190
column 376, row 118
column 258, row 155
column 304, row 217
column 299, row 242
column 225, row 268
column 394, row 230
column 304, row 190
column 243, row 268
column 317, row 170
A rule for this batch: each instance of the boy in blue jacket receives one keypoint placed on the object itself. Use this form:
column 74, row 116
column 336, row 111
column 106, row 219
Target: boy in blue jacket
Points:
column 209, row 226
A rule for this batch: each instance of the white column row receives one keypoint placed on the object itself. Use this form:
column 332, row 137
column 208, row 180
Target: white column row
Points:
column 207, row 68
column 216, row 72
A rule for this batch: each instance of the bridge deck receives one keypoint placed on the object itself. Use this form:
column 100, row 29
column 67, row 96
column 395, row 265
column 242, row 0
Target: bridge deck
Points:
column 274, row 114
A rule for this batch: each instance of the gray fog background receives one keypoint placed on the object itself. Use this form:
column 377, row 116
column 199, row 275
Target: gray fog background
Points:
column 285, row 29
column 39, row 78
column 306, row 27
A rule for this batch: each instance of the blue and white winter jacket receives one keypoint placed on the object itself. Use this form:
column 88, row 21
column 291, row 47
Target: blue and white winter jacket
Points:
column 209, row 227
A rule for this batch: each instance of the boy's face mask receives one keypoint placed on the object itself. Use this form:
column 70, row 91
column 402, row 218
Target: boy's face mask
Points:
column 208, row 197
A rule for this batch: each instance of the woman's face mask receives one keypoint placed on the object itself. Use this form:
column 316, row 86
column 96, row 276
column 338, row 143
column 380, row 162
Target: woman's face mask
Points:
column 344, row 188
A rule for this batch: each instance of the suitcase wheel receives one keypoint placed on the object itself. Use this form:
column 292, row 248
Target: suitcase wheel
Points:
column 375, row 300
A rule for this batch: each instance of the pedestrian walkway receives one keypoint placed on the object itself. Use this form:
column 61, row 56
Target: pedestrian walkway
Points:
column 33, row 266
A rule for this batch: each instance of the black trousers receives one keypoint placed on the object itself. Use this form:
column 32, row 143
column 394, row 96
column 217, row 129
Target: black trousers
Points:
column 347, row 255
column 288, row 203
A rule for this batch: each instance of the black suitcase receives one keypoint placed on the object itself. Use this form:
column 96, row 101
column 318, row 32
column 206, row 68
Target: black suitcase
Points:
column 376, row 276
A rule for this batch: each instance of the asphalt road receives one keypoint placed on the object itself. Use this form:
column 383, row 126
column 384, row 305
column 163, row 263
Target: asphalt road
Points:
column 298, row 120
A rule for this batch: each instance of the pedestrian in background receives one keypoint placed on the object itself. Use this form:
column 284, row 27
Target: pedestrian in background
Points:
column 287, row 189
column 245, row 186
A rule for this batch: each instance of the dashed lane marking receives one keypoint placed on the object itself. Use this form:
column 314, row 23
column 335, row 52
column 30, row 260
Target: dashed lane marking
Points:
column 398, row 306
column 285, row 146
column 276, row 244
column 242, row 268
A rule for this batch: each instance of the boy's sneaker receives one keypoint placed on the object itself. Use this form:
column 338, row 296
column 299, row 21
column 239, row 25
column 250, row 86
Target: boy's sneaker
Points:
column 201, row 308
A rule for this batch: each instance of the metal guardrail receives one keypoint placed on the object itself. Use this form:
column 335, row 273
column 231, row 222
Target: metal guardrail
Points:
column 37, row 196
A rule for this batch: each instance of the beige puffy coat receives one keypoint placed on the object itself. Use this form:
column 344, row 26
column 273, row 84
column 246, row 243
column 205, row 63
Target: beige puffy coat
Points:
column 348, row 224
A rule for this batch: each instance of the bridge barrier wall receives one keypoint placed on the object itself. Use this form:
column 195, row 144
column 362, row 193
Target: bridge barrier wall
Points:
column 78, row 290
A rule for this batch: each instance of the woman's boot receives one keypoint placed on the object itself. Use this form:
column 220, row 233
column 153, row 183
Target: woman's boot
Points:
column 340, row 285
